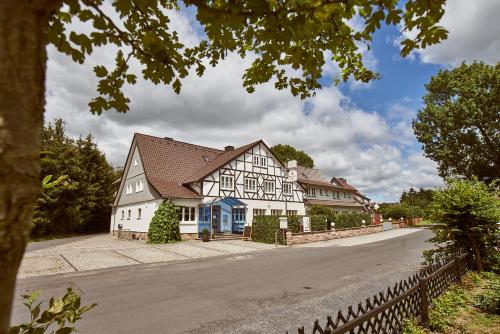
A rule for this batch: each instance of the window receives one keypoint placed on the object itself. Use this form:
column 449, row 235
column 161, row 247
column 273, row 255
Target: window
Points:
column 129, row 214
column 123, row 214
column 275, row 212
column 129, row 189
column 187, row 213
column 326, row 192
column 263, row 161
column 336, row 212
column 256, row 160
column 136, row 162
column 139, row 212
column 139, row 186
column 259, row 212
column 269, row 187
column 291, row 212
column 311, row 192
column 347, row 195
column 345, row 212
column 226, row 182
column 238, row 214
column 287, row 188
column 250, row 185
column 321, row 192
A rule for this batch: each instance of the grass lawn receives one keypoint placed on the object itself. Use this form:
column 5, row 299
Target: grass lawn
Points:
column 472, row 307
column 425, row 222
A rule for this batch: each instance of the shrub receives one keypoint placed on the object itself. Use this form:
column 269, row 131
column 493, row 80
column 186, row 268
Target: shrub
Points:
column 465, row 214
column 489, row 300
column 60, row 312
column 164, row 226
column 410, row 326
column 294, row 223
column 319, row 223
column 350, row 220
column 264, row 229
column 446, row 308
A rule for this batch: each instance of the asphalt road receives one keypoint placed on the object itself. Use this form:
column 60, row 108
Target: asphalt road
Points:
column 265, row 292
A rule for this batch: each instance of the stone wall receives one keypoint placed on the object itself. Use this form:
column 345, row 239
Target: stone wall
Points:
column 306, row 237
column 134, row 235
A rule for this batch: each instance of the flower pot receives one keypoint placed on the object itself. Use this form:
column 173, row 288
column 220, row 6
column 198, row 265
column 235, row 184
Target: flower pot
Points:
column 205, row 237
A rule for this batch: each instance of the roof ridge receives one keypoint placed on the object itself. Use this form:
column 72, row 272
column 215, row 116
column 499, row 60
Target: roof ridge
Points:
column 181, row 142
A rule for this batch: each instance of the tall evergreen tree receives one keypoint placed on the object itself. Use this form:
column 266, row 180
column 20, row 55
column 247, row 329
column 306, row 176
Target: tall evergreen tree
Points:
column 83, row 203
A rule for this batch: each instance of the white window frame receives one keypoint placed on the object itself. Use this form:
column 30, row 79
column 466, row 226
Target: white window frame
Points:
column 139, row 213
column 139, row 186
column 259, row 212
column 191, row 214
column 276, row 212
column 263, row 161
column 229, row 185
column 129, row 214
column 311, row 192
column 250, row 181
column 256, row 160
column 287, row 188
column 291, row 212
column 268, row 191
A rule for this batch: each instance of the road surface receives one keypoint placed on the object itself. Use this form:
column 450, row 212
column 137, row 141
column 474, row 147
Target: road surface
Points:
column 265, row 292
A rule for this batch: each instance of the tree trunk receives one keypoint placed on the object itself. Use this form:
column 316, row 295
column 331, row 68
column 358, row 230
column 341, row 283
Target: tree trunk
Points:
column 23, row 24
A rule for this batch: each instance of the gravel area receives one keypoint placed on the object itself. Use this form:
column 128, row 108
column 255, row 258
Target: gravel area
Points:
column 105, row 251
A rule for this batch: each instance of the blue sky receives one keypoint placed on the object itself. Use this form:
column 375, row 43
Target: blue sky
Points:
column 360, row 132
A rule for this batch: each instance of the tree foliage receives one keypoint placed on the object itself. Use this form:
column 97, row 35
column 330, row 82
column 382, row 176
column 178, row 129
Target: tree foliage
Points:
column 164, row 226
column 81, row 201
column 57, row 318
column 286, row 153
column 282, row 35
column 460, row 124
column 466, row 213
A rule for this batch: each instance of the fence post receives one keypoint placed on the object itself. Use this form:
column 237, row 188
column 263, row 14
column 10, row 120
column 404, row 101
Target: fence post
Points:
column 457, row 269
column 424, row 301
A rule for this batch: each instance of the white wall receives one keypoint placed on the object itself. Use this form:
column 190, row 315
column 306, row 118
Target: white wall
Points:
column 147, row 212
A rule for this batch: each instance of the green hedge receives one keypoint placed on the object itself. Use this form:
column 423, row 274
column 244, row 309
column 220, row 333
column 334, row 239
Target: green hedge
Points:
column 264, row 229
column 319, row 223
column 350, row 220
column 294, row 223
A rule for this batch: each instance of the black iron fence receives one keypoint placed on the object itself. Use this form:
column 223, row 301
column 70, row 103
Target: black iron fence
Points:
column 387, row 311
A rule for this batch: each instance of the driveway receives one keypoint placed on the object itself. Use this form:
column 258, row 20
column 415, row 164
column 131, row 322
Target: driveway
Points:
column 105, row 251
column 257, row 292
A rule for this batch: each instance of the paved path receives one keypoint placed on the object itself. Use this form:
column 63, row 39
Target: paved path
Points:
column 105, row 251
column 257, row 292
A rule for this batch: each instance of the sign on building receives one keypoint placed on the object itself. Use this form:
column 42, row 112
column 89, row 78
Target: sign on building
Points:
column 306, row 224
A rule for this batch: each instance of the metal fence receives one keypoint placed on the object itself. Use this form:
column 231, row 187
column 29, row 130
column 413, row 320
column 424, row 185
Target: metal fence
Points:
column 387, row 311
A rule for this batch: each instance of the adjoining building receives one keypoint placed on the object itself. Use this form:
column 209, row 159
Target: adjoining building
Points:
column 336, row 193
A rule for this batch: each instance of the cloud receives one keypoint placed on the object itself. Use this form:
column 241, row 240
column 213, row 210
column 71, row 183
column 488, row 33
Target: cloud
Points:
column 369, row 149
column 474, row 34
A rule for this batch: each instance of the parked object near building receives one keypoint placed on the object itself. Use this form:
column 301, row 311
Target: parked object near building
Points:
column 217, row 190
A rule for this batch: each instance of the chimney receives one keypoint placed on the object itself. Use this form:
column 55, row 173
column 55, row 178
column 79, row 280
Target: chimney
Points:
column 342, row 179
column 168, row 138
column 228, row 148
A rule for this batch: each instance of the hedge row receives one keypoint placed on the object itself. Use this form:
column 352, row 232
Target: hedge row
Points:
column 350, row 220
column 319, row 223
column 264, row 229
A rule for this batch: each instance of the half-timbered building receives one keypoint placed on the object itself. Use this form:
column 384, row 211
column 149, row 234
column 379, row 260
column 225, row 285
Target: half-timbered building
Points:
column 220, row 190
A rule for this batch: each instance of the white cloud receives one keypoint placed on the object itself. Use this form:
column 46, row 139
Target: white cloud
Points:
column 474, row 34
column 215, row 110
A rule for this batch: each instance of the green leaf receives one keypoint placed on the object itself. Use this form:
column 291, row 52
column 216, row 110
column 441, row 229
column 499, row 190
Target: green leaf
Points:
column 100, row 71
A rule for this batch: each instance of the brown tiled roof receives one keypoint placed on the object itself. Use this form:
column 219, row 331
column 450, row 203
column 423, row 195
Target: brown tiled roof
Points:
column 347, row 186
column 220, row 161
column 314, row 177
column 167, row 163
column 331, row 202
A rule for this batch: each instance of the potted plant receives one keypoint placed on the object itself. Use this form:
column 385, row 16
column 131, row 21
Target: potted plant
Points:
column 205, row 235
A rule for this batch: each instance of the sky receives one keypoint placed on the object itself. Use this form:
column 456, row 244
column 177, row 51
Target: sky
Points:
column 361, row 132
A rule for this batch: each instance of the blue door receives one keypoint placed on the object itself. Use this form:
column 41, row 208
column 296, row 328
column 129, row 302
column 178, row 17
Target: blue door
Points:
column 239, row 215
